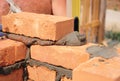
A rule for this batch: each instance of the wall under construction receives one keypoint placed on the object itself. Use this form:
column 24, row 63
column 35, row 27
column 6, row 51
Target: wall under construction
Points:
column 36, row 60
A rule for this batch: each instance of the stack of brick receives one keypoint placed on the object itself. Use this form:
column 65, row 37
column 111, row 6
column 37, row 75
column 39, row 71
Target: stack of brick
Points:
column 12, row 54
column 54, row 63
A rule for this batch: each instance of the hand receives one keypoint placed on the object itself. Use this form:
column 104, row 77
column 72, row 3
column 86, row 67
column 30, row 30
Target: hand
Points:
column 59, row 7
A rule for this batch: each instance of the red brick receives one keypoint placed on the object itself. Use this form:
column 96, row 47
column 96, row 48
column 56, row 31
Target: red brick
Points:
column 41, row 74
column 67, row 56
column 38, row 6
column 11, row 52
column 4, row 8
column 14, row 76
column 65, row 79
column 38, row 25
column 98, row 69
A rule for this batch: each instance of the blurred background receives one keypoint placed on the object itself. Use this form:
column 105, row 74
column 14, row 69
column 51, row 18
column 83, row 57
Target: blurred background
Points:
column 113, row 15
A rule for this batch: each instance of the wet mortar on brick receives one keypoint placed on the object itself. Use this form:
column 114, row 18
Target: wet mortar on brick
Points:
column 102, row 51
column 61, row 71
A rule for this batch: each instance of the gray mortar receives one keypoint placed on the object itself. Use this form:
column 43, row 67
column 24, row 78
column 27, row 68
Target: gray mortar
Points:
column 28, row 40
column 72, row 39
column 60, row 70
column 27, row 54
column 25, row 74
column 102, row 51
column 8, row 69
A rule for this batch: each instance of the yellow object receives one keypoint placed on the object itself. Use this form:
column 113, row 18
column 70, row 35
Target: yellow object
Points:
column 76, row 8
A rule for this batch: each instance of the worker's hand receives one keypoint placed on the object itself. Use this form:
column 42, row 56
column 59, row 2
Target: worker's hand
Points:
column 59, row 7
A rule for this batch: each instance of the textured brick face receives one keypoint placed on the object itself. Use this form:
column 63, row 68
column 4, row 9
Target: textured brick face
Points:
column 98, row 69
column 38, row 25
column 65, row 56
column 38, row 6
column 11, row 52
column 14, row 76
column 41, row 74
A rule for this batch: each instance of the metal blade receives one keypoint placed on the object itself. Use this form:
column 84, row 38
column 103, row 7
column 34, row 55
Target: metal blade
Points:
column 13, row 7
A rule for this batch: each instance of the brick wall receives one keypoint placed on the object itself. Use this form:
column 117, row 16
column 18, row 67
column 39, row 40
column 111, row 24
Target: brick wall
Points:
column 21, row 62
column 12, row 55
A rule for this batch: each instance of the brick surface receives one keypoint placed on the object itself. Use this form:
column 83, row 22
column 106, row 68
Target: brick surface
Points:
column 30, row 80
column 66, row 56
column 65, row 79
column 41, row 74
column 98, row 69
column 38, row 6
column 4, row 8
column 14, row 76
column 11, row 52
column 38, row 25
column 115, row 60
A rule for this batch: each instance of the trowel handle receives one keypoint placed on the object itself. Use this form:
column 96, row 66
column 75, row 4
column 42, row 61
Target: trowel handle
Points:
column 76, row 24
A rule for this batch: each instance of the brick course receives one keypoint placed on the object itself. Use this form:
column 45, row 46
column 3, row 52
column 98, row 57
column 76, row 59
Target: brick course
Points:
column 65, row 56
column 38, row 25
